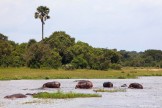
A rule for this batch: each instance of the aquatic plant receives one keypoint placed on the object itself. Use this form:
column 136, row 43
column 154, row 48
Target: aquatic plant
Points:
column 62, row 95
column 110, row 90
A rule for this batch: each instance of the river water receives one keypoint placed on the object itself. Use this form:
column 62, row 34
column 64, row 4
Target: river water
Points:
column 149, row 97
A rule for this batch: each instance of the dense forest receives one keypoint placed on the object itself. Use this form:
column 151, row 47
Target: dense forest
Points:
column 61, row 50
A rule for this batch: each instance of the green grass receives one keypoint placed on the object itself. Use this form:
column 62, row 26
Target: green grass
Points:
column 39, row 101
column 110, row 90
column 62, row 95
column 27, row 73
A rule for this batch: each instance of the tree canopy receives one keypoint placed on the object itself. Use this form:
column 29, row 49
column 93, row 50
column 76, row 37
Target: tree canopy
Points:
column 61, row 50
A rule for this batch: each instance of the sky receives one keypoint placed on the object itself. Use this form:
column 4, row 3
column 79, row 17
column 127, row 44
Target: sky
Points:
column 132, row 25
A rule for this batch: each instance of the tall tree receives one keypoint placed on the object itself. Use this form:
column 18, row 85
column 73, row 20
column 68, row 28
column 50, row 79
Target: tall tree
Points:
column 42, row 14
column 3, row 37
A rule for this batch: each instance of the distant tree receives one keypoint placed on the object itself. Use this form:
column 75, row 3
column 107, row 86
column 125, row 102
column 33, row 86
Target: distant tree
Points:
column 61, row 42
column 113, row 55
column 31, row 42
column 18, row 55
column 5, row 48
column 84, row 50
column 79, row 62
column 160, row 64
column 155, row 54
column 2, row 37
column 42, row 14
column 40, row 55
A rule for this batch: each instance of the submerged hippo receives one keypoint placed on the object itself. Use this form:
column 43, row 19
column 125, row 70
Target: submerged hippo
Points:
column 124, row 85
column 15, row 96
column 108, row 84
column 30, row 94
column 135, row 86
column 53, row 84
column 84, row 84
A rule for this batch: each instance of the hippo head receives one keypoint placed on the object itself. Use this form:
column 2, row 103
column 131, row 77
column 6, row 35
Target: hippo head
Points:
column 76, row 86
column 7, row 97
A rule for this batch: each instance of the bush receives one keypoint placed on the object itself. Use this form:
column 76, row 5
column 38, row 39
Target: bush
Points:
column 41, row 56
column 53, row 61
column 68, row 67
column 116, row 66
column 79, row 62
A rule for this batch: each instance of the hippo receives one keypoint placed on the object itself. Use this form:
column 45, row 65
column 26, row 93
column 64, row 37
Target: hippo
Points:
column 135, row 86
column 84, row 84
column 53, row 84
column 15, row 96
column 124, row 85
column 108, row 84
column 30, row 94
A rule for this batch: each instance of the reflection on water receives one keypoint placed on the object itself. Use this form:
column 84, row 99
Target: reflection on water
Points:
column 149, row 97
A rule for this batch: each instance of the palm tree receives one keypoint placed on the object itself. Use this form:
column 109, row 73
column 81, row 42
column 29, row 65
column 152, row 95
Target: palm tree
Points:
column 42, row 14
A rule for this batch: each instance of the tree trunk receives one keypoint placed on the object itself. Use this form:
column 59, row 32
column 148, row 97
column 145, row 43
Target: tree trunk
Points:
column 42, row 30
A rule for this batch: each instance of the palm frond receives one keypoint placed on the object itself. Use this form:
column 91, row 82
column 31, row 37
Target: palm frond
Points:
column 43, row 9
column 36, row 15
column 48, row 17
column 44, row 18
column 40, row 16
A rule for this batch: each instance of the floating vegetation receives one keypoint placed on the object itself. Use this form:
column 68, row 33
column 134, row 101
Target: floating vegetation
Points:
column 110, row 90
column 62, row 95
column 38, row 102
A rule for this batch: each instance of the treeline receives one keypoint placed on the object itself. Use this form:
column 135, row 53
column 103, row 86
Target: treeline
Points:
column 61, row 51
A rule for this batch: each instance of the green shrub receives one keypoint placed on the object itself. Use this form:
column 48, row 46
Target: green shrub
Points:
column 79, row 62
column 116, row 66
column 68, row 67
column 40, row 55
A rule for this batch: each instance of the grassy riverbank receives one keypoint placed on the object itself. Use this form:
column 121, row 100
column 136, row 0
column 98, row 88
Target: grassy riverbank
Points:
column 62, row 95
column 27, row 73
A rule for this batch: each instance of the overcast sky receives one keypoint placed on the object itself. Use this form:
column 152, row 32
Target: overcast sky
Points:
column 121, row 24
